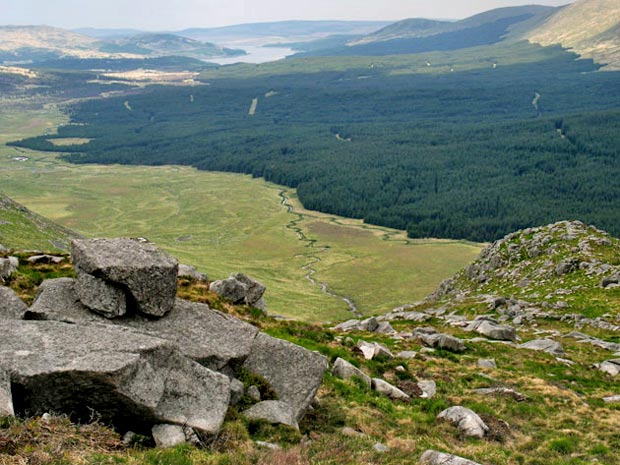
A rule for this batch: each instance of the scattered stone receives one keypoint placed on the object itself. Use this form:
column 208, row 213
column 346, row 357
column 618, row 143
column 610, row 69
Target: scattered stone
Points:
column 416, row 317
column 492, row 329
column 267, row 445
column 11, row 306
column 385, row 388
column 611, row 399
column 100, row 296
column 273, row 411
column 8, row 266
column 502, row 391
column 230, row 289
column 129, row 438
column 130, row 379
column 45, row 260
column 440, row 341
column 371, row 350
column 187, row 271
column 381, row 448
column 148, row 274
column 428, row 387
column 348, row 431
column 293, row 372
column 609, row 280
column 407, row 354
column 253, row 393
column 611, row 367
column 488, row 364
column 544, row 345
column 384, row 328
column 237, row 391
column 255, row 289
column 466, row 420
column 168, row 435
column 432, row 457
column 6, row 398
column 612, row 346
column 346, row 370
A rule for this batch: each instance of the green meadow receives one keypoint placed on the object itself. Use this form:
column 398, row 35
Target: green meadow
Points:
column 223, row 223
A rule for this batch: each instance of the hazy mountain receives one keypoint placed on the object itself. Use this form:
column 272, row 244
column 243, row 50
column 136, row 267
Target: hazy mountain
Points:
column 107, row 33
column 162, row 44
column 419, row 27
column 41, row 43
column 423, row 35
column 284, row 29
column 591, row 28
column 20, row 41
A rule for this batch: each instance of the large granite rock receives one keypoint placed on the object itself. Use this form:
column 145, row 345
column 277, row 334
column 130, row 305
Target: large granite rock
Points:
column 255, row 289
column 11, row 306
column 100, row 296
column 230, row 289
column 148, row 274
column 130, row 379
column 168, row 435
column 433, row 457
column 466, row 420
column 293, row 372
column 6, row 399
column 207, row 336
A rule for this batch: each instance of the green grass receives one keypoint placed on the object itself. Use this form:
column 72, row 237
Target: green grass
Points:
column 223, row 223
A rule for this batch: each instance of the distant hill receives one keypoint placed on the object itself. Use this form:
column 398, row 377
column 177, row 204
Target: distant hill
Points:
column 161, row 44
column 291, row 30
column 42, row 43
column 106, row 33
column 590, row 28
column 22, row 229
column 423, row 35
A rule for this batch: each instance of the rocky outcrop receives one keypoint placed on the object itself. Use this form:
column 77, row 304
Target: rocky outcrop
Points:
column 133, row 380
column 11, row 306
column 110, row 342
column 432, row 338
column 148, row 275
column 372, row 350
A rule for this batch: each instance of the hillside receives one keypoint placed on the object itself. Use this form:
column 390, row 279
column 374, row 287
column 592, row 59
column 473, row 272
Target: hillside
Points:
column 533, row 364
column 44, row 43
column 154, row 44
column 23, row 42
column 21, row 228
column 422, row 35
column 590, row 28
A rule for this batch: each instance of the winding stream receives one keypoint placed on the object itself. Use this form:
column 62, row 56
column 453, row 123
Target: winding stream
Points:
column 313, row 256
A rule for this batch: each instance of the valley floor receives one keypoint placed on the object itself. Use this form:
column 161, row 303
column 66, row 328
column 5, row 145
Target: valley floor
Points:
column 316, row 267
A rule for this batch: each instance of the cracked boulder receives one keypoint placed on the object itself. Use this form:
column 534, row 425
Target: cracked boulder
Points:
column 211, row 338
column 127, row 378
column 294, row 373
column 148, row 275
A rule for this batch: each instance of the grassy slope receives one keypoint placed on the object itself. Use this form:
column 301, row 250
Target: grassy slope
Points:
column 236, row 224
column 563, row 420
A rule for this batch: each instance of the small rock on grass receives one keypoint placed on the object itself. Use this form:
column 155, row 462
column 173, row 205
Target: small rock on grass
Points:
column 432, row 457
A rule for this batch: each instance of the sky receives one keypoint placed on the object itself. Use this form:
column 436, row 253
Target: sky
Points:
column 181, row 14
